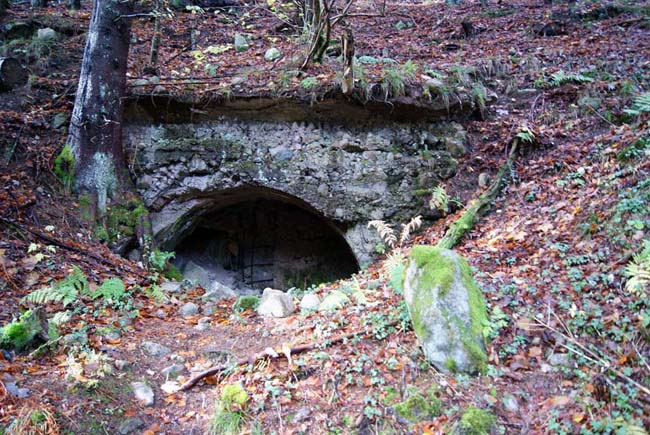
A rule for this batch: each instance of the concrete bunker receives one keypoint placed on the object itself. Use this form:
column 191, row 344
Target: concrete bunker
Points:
column 250, row 238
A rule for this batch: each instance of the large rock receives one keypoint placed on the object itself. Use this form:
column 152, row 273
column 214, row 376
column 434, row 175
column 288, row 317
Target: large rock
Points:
column 143, row 393
column 447, row 309
column 275, row 303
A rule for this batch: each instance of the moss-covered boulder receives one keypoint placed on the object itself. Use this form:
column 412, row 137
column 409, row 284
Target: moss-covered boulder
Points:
column 23, row 333
column 417, row 408
column 475, row 421
column 447, row 309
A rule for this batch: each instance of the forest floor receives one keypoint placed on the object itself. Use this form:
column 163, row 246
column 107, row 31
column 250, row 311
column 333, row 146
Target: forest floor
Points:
column 570, row 347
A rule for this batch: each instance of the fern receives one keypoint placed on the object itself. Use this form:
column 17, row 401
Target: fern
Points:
column 111, row 289
column 439, row 199
column 155, row 292
column 65, row 291
column 412, row 226
column 158, row 259
column 641, row 104
column 386, row 232
column 560, row 78
column 638, row 271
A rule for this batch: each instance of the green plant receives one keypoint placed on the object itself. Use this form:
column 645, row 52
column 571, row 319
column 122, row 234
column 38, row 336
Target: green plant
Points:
column 497, row 321
column 638, row 271
column 560, row 78
column 158, row 259
column 525, row 135
column 244, row 303
column 640, row 104
column 64, row 167
column 111, row 290
column 230, row 414
column 439, row 199
column 475, row 421
column 395, row 79
column 65, row 291
column 309, row 83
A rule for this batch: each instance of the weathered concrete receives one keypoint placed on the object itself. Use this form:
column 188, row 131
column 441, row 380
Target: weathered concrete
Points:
column 346, row 174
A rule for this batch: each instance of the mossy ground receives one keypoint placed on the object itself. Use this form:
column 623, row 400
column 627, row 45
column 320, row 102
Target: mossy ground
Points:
column 417, row 408
column 20, row 334
column 244, row 303
column 475, row 421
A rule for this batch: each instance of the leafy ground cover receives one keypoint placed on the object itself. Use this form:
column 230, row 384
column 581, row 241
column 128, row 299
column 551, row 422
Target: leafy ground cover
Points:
column 569, row 349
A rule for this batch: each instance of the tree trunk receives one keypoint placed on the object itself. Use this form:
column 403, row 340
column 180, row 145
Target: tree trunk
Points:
column 35, row 4
column 96, row 125
column 74, row 4
column 4, row 5
column 347, row 42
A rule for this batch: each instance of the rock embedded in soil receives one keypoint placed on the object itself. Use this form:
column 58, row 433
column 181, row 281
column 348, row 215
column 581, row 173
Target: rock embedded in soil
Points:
column 447, row 309
column 189, row 309
column 333, row 301
column 143, row 393
column 560, row 359
column 171, row 287
column 241, row 43
column 154, row 349
column 46, row 34
column 20, row 393
column 275, row 303
column 272, row 54
column 173, row 370
column 309, row 302
column 130, row 426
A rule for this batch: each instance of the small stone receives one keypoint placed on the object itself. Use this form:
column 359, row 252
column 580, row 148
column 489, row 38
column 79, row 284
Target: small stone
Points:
column 130, row 426
column 510, row 402
column 218, row 291
column 154, row 349
column 333, row 301
column 13, row 389
column 159, row 89
column 241, row 43
column 46, row 34
column 177, row 358
column 173, row 370
column 483, row 180
column 121, row 364
column 59, row 120
column 301, row 415
column 559, row 359
column 309, row 302
column 160, row 313
column 275, row 303
column 171, row 286
column 202, row 327
column 143, row 393
column 209, row 309
column 112, row 335
column 189, row 309
column 272, row 54
column 140, row 82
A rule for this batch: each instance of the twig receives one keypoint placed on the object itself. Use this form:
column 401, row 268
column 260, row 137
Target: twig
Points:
column 67, row 246
column 270, row 354
column 591, row 356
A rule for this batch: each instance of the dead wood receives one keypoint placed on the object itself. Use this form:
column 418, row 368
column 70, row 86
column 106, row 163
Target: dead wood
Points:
column 271, row 354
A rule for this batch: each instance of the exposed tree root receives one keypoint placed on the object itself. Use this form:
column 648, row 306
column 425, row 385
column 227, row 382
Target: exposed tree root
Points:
column 479, row 206
column 271, row 354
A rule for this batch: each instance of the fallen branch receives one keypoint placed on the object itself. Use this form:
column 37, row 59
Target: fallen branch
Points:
column 272, row 354
column 479, row 206
column 64, row 245
column 589, row 355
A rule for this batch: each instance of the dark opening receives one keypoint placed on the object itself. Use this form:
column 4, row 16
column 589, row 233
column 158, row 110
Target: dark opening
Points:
column 261, row 242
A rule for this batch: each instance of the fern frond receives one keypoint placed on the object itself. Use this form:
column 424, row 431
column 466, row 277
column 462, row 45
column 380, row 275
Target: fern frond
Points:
column 41, row 296
column 439, row 199
column 156, row 292
column 640, row 104
column 111, row 289
column 638, row 271
column 413, row 225
column 386, row 232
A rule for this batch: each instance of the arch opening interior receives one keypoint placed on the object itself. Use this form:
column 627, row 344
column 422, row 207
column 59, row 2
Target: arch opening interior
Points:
column 258, row 241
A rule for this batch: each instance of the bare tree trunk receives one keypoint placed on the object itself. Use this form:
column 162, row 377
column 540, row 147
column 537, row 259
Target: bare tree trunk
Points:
column 347, row 42
column 74, row 4
column 96, row 126
column 35, row 4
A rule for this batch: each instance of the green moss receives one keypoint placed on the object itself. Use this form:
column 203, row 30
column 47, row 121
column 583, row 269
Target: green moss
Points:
column 244, row 303
column 450, row 365
column 64, row 167
column 20, row 334
column 172, row 272
column 418, row 408
column 123, row 219
column 475, row 421
column 440, row 270
column 233, row 395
